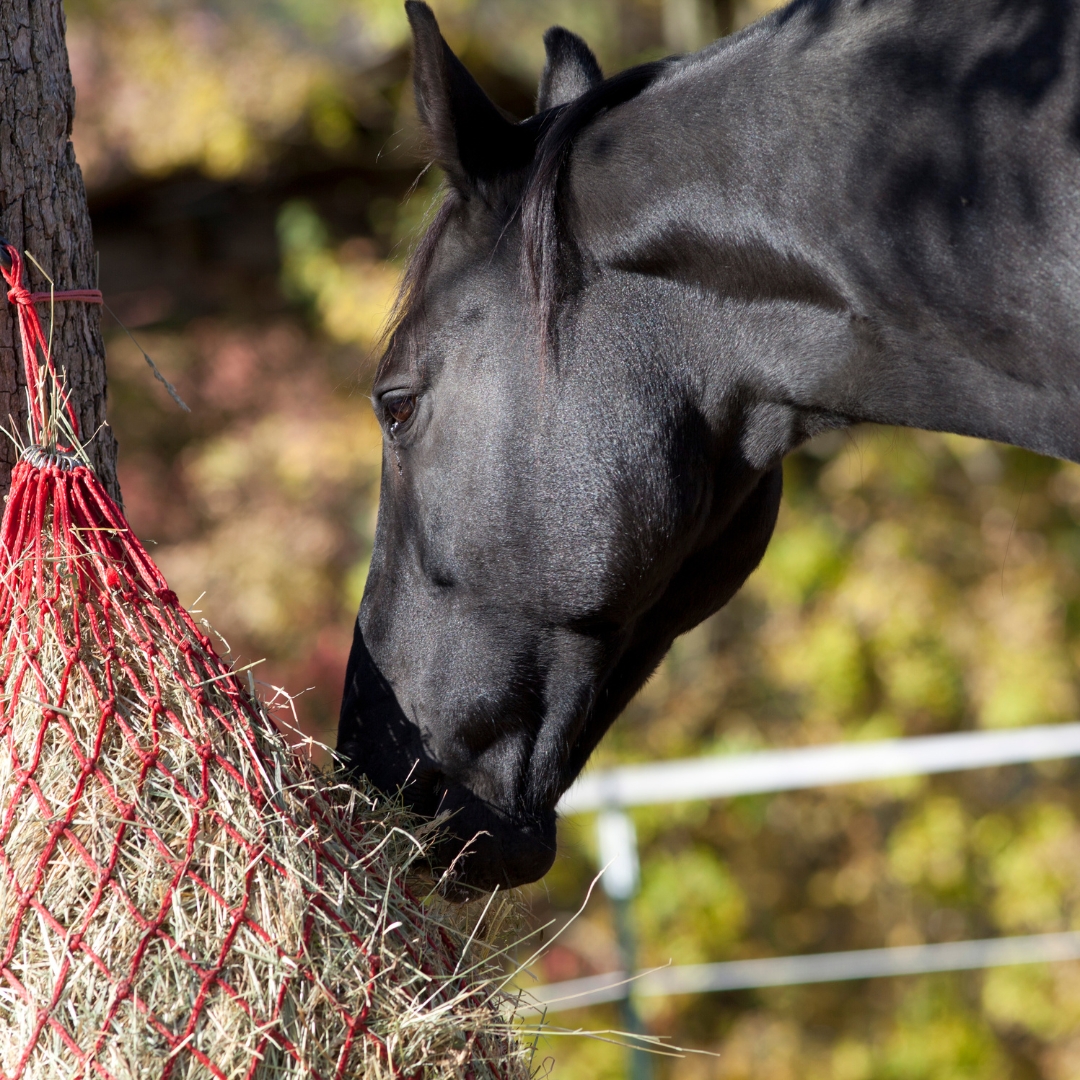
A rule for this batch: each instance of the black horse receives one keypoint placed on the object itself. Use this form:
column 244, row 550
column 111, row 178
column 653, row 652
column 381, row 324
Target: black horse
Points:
column 631, row 306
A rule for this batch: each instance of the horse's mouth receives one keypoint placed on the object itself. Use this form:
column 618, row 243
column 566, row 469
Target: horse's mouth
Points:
column 481, row 847
column 484, row 848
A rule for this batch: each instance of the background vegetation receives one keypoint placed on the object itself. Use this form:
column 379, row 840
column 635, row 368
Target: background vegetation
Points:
column 254, row 173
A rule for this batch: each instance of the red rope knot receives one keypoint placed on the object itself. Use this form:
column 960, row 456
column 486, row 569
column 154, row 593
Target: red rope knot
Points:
column 34, row 341
column 19, row 294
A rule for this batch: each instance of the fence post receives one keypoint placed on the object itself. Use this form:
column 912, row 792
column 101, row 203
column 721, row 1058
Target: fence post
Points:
column 617, row 841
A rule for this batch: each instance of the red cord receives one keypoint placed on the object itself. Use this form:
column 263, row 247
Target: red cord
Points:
column 62, row 535
column 34, row 340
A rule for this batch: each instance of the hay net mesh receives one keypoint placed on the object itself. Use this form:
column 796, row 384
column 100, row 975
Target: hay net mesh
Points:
column 180, row 894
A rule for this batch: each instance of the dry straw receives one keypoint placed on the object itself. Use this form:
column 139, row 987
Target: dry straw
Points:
column 181, row 895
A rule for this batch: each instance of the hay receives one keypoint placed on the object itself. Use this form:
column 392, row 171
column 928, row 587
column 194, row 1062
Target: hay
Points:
column 181, row 895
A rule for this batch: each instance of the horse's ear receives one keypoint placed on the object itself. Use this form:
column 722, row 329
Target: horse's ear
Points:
column 571, row 69
column 471, row 139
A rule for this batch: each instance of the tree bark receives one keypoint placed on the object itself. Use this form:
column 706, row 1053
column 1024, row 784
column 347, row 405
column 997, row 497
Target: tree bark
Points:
column 43, row 210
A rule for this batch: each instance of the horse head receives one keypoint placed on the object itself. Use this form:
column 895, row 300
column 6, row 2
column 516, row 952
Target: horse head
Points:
column 553, row 513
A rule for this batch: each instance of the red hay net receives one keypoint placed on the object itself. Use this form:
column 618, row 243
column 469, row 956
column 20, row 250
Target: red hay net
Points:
column 74, row 573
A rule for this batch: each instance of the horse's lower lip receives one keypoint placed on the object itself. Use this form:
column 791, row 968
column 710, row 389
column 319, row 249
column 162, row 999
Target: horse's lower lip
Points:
column 484, row 848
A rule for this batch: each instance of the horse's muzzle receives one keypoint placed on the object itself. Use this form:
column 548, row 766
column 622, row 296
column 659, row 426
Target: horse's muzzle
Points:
column 482, row 847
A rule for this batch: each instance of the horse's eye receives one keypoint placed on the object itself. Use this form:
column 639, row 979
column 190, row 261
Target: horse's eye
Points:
column 400, row 409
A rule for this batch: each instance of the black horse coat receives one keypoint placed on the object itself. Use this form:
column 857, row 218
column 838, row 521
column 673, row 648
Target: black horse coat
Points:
column 632, row 305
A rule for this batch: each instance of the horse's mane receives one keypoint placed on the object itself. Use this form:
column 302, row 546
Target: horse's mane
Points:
column 538, row 209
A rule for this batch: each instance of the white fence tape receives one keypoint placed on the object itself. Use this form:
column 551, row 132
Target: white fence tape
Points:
column 790, row 770
column 815, row 766
column 815, row 968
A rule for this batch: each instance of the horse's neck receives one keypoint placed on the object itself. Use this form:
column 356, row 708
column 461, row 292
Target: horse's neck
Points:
column 880, row 204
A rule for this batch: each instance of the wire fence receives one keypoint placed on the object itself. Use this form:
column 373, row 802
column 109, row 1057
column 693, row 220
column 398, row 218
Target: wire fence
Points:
column 729, row 775
column 815, row 968
column 609, row 792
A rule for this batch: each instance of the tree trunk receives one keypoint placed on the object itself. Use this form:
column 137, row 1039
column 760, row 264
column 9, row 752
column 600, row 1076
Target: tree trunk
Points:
column 43, row 211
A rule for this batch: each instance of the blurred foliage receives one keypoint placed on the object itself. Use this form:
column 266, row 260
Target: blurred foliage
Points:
column 253, row 173
column 266, row 506
column 350, row 289
column 218, row 84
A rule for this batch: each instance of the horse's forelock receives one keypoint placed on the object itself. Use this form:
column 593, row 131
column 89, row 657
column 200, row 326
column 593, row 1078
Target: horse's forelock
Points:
column 541, row 238
column 396, row 332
